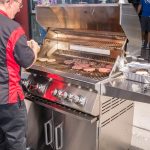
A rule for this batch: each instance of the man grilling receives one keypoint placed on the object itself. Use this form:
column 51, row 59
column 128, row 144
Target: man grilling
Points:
column 15, row 52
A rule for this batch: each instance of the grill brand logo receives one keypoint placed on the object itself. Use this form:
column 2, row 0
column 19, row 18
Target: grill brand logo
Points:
column 147, row 1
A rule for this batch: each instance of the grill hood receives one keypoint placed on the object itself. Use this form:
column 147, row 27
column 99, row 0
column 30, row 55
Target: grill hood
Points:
column 119, row 19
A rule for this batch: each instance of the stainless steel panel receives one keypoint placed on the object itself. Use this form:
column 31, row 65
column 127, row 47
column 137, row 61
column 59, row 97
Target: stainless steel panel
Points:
column 69, row 112
column 35, row 126
column 79, row 135
column 82, row 99
column 94, row 17
column 117, row 134
column 69, row 133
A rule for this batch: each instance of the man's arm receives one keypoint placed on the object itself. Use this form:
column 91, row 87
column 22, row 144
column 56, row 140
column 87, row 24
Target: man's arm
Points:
column 139, row 9
column 23, row 54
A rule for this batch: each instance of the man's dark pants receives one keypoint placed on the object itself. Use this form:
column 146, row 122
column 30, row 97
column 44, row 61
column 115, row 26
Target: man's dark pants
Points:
column 13, row 120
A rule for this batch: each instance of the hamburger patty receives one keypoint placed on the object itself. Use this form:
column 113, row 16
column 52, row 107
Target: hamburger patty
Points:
column 89, row 69
column 104, row 70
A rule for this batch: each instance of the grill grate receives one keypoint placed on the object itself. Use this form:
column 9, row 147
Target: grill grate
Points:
column 59, row 65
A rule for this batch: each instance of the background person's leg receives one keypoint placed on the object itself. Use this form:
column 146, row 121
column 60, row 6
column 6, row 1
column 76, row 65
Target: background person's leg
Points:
column 148, row 45
column 144, row 31
column 148, row 30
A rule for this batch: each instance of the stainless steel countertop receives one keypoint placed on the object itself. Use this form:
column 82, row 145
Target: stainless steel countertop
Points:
column 126, row 89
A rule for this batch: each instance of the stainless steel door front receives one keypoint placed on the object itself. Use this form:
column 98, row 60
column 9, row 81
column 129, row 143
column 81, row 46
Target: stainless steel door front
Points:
column 38, row 126
column 79, row 134
column 71, row 133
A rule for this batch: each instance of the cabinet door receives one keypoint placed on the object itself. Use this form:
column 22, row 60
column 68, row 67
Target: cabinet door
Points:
column 39, row 129
column 34, row 126
column 80, row 134
column 74, row 134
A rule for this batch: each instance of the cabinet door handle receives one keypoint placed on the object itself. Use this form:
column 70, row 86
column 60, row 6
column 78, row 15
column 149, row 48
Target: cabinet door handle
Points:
column 48, row 134
column 59, row 140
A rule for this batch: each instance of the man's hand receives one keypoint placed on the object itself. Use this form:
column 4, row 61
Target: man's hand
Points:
column 34, row 46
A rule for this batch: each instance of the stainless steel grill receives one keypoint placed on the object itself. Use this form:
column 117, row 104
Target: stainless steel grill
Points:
column 95, row 42
column 81, row 38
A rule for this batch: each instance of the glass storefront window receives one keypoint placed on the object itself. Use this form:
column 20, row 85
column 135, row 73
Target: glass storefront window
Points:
column 49, row 2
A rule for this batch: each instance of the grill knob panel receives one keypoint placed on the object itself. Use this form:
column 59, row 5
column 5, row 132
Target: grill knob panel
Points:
column 79, row 100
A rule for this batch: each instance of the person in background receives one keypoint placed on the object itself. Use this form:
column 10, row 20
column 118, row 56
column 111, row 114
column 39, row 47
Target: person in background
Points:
column 15, row 52
column 43, row 30
column 144, row 8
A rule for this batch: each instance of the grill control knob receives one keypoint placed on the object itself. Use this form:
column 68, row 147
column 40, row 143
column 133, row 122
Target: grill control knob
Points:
column 79, row 86
column 70, row 97
column 69, row 84
column 41, row 88
column 55, row 92
column 60, row 93
column 76, row 98
column 25, row 84
column 82, row 100
column 90, row 90
column 65, row 95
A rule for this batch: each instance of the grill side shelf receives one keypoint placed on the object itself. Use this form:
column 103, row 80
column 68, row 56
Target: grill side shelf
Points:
column 127, row 89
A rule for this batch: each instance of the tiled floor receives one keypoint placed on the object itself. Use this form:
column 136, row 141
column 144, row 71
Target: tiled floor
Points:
column 140, row 139
column 141, row 127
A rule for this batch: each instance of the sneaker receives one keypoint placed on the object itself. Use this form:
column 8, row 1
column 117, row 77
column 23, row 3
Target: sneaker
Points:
column 144, row 44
